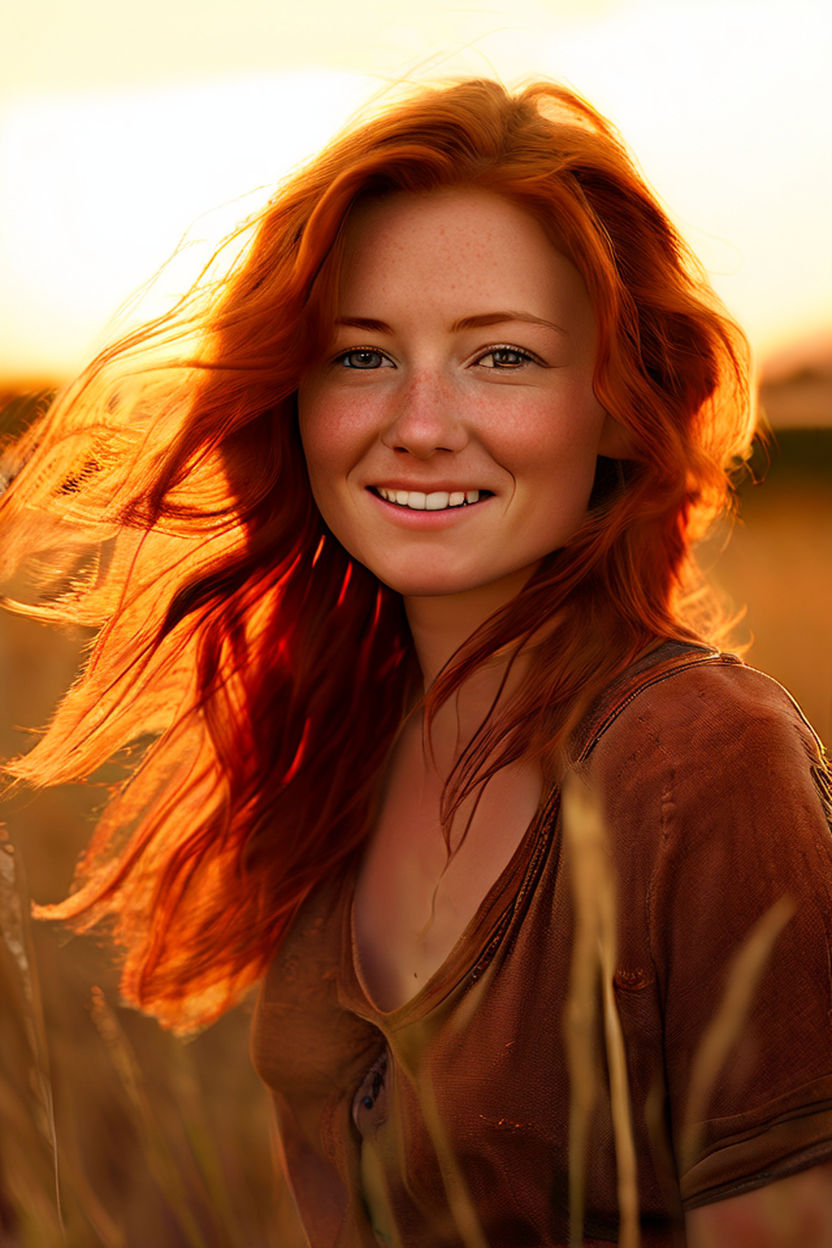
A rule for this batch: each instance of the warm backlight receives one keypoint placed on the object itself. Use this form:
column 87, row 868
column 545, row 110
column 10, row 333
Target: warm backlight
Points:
column 724, row 103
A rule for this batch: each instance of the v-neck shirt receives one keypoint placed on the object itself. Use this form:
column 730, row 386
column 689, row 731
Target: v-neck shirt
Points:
column 450, row 1116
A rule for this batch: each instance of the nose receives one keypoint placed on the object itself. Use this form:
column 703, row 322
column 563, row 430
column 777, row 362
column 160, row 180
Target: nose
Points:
column 426, row 419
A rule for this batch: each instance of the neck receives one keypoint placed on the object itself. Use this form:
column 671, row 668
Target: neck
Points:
column 439, row 625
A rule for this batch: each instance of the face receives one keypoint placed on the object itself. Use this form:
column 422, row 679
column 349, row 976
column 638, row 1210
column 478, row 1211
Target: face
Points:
column 451, row 431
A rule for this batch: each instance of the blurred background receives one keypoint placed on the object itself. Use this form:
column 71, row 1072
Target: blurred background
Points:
column 130, row 134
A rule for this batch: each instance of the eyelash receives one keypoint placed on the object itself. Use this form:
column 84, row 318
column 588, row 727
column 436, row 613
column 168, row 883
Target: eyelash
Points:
column 526, row 357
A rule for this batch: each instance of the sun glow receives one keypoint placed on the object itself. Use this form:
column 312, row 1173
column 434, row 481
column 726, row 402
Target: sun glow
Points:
column 99, row 191
column 725, row 105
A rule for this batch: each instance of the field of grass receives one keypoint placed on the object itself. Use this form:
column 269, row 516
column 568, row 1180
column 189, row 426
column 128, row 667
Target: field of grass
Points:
column 149, row 1141
column 777, row 567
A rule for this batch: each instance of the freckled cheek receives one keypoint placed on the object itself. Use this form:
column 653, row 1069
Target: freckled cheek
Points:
column 535, row 441
column 334, row 437
column 552, row 458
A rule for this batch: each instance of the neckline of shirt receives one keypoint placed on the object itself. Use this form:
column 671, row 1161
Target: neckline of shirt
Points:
column 467, row 950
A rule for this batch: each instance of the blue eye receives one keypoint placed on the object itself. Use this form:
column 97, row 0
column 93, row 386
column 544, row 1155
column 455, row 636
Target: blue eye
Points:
column 363, row 358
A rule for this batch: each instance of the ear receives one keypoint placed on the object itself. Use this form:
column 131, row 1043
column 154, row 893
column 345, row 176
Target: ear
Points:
column 615, row 442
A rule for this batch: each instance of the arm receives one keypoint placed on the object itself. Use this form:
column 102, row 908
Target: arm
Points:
column 791, row 1213
column 731, row 821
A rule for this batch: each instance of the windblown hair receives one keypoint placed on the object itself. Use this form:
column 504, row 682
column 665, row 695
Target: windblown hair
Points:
column 256, row 675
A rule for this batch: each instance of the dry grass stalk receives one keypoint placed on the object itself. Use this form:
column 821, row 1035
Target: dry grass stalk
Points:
column 593, row 957
column 166, row 1169
column 16, row 938
column 463, row 1209
column 625, row 1151
column 34, row 1207
column 412, row 1057
column 460, row 1203
column 744, row 973
column 376, row 1193
column 202, row 1141
column 29, row 1214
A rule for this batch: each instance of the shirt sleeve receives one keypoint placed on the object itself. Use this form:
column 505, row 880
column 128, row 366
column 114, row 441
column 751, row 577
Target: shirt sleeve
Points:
column 717, row 800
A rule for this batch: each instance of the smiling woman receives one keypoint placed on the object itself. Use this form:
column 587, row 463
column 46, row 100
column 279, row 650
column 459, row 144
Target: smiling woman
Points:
column 393, row 558
column 419, row 395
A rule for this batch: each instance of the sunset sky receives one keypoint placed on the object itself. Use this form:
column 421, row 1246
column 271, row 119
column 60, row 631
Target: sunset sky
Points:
column 122, row 128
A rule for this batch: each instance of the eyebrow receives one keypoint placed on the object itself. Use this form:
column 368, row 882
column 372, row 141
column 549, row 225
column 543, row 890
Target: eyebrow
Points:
column 465, row 322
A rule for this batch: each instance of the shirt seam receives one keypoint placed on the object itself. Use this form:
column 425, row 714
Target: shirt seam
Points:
column 646, row 680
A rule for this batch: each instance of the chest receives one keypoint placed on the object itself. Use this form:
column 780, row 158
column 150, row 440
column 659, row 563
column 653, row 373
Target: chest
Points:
column 411, row 906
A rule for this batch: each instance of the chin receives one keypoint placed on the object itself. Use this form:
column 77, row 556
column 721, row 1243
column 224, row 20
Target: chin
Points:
column 434, row 585
column 426, row 587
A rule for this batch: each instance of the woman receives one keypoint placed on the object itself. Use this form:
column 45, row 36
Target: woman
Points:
column 394, row 529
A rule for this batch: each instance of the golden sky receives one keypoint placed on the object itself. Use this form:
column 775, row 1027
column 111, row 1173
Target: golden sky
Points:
column 122, row 127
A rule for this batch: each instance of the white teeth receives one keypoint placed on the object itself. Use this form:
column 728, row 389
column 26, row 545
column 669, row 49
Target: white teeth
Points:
column 438, row 501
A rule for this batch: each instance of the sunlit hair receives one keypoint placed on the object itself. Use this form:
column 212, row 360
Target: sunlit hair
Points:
column 259, row 675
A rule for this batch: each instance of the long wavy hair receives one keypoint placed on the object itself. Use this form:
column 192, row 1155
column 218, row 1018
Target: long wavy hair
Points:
column 248, row 676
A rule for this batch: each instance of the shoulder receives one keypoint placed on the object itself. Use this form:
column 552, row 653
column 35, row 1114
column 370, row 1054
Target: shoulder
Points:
column 714, row 795
column 702, row 718
column 708, row 770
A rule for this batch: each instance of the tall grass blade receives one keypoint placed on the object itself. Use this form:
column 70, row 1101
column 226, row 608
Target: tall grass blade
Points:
column 411, row 1057
column 594, row 959
column 462, row 1207
column 744, row 974
column 166, row 1169
column 17, row 940
column 201, row 1140
column 625, row 1150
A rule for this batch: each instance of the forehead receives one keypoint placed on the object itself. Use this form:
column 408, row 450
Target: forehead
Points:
column 456, row 246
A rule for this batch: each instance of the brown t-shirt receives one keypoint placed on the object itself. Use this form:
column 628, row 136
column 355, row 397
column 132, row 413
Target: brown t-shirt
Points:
column 397, row 1127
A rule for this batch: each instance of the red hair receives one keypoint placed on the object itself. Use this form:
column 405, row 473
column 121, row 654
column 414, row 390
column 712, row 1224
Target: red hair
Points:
column 260, row 673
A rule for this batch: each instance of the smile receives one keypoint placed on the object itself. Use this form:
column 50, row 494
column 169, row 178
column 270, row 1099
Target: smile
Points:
column 440, row 500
